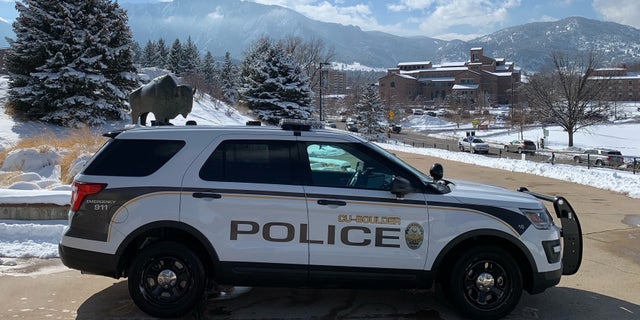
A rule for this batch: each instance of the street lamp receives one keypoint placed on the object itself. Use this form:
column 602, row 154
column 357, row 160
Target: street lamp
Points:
column 320, row 68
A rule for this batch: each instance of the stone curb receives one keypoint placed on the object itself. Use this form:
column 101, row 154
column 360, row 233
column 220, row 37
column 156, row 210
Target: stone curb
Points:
column 33, row 211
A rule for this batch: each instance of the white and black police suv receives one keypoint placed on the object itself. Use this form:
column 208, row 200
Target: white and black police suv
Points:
column 184, row 210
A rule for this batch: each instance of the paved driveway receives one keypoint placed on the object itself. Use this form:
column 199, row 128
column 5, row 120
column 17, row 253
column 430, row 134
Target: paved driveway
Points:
column 606, row 287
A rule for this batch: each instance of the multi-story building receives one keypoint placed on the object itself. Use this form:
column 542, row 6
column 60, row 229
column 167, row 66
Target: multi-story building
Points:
column 622, row 85
column 480, row 81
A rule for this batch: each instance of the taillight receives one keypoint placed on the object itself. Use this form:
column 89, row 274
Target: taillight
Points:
column 80, row 190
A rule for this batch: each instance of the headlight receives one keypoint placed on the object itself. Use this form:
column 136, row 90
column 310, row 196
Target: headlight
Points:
column 539, row 217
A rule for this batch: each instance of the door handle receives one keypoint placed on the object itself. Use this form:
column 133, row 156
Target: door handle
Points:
column 324, row 202
column 201, row 195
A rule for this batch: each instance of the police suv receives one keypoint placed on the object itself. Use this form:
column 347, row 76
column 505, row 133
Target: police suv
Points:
column 184, row 210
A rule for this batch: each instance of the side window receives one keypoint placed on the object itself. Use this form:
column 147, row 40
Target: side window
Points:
column 133, row 157
column 347, row 165
column 251, row 161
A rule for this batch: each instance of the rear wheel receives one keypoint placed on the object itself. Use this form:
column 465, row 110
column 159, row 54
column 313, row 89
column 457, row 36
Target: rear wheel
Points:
column 485, row 283
column 599, row 163
column 167, row 279
column 519, row 150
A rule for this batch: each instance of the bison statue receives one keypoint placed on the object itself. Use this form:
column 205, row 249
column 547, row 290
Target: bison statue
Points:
column 163, row 97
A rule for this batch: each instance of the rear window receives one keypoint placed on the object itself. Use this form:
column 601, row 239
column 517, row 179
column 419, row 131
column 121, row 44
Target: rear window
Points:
column 253, row 162
column 133, row 157
column 614, row 153
column 529, row 143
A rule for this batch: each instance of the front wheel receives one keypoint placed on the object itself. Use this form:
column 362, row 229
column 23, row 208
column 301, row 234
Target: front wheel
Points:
column 485, row 283
column 166, row 280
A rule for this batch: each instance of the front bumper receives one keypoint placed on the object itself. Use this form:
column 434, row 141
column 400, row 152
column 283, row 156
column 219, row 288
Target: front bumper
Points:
column 571, row 231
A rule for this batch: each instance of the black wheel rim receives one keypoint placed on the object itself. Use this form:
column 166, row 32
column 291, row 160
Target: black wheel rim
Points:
column 486, row 284
column 165, row 280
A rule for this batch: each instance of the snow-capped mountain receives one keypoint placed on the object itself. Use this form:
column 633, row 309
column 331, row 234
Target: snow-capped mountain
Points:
column 230, row 25
column 529, row 45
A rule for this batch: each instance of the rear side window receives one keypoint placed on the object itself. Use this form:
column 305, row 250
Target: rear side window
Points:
column 133, row 157
column 253, row 162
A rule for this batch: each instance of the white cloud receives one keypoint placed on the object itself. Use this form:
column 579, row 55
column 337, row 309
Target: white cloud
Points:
column 482, row 15
column 407, row 5
column 216, row 15
column 620, row 11
column 433, row 18
column 359, row 14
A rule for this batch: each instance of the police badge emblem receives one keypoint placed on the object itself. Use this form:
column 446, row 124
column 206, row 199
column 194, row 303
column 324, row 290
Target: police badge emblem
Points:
column 414, row 235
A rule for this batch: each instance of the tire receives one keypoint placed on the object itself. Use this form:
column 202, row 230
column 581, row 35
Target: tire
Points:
column 174, row 264
column 577, row 160
column 519, row 150
column 599, row 163
column 485, row 283
column 461, row 148
column 506, row 149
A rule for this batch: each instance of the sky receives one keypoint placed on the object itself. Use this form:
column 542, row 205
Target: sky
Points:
column 41, row 184
column 440, row 19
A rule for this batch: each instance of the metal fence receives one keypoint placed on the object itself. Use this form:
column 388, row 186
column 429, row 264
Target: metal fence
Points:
column 631, row 163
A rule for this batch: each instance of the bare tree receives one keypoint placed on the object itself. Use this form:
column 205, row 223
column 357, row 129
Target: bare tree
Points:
column 569, row 94
column 308, row 54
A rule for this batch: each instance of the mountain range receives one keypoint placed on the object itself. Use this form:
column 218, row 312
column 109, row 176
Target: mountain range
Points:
column 219, row 26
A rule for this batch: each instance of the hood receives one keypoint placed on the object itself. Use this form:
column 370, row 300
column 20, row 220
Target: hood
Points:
column 484, row 194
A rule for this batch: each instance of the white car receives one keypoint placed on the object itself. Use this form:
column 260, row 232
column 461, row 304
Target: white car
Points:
column 184, row 210
column 473, row 145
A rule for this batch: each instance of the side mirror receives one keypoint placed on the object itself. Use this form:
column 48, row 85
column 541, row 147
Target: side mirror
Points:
column 436, row 171
column 400, row 186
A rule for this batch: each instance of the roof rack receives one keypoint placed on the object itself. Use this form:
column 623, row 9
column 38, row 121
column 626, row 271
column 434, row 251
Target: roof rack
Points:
column 300, row 124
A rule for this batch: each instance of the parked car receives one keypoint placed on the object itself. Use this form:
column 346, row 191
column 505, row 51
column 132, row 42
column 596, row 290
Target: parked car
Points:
column 473, row 145
column 521, row 146
column 395, row 128
column 183, row 211
column 330, row 124
column 352, row 127
column 600, row 157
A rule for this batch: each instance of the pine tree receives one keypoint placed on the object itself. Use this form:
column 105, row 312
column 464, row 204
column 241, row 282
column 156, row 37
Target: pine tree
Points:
column 71, row 62
column 162, row 52
column 207, row 69
column 149, row 55
column 190, row 56
column 229, row 80
column 369, row 106
column 274, row 86
column 174, row 61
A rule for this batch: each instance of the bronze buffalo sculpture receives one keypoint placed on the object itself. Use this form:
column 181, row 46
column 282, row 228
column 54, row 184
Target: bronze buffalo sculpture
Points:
column 163, row 97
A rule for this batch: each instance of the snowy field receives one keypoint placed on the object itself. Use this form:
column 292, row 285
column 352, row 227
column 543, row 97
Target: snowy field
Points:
column 24, row 239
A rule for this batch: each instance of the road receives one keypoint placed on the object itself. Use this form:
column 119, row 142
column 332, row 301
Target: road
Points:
column 606, row 287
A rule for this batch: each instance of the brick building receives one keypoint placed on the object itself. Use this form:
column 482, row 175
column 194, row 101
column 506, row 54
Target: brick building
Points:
column 623, row 85
column 480, row 81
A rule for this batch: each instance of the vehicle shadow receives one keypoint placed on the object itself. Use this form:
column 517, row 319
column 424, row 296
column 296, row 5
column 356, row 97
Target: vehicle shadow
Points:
column 289, row 303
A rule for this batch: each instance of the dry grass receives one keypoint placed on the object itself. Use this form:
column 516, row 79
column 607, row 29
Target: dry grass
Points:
column 70, row 146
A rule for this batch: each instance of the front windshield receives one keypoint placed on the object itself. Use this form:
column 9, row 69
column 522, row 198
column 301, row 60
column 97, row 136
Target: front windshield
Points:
column 478, row 140
column 424, row 177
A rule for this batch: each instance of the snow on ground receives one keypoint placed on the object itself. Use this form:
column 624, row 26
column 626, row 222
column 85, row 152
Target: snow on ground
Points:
column 25, row 239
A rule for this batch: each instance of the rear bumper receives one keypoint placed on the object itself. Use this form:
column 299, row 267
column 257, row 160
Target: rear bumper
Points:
column 89, row 261
column 571, row 231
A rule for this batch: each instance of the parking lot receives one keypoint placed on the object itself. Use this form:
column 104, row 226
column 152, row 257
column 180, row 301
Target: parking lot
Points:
column 606, row 287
